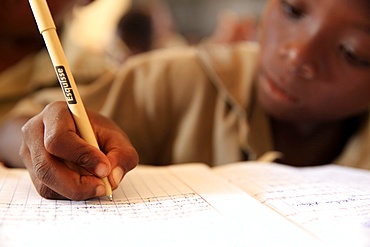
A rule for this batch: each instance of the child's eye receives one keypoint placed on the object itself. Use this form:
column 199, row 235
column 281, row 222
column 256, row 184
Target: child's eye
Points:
column 352, row 58
column 292, row 11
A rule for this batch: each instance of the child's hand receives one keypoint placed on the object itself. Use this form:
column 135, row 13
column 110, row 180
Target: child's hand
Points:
column 61, row 163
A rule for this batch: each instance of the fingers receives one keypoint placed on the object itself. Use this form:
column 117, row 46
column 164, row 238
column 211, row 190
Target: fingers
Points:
column 122, row 155
column 50, row 175
column 61, row 163
column 117, row 147
column 58, row 182
column 62, row 140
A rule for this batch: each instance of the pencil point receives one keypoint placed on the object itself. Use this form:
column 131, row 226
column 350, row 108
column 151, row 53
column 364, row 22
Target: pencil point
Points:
column 110, row 197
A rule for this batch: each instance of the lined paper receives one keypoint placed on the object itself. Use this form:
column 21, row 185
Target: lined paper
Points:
column 184, row 205
column 149, row 196
column 331, row 201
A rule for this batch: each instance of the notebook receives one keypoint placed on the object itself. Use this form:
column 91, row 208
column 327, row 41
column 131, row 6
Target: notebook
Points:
column 240, row 204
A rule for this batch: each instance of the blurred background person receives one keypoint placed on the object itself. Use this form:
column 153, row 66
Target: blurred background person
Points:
column 134, row 35
column 145, row 26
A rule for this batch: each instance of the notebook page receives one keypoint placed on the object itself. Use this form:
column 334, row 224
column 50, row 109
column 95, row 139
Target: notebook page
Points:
column 157, row 206
column 331, row 201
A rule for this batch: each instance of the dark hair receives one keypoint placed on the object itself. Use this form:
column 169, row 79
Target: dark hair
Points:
column 136, row 31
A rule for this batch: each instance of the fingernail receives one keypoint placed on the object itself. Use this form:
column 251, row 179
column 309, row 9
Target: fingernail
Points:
column 101, row 170
column 100, row 190
column 117, row 174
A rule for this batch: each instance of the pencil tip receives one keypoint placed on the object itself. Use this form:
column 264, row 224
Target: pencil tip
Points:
column 110, row 197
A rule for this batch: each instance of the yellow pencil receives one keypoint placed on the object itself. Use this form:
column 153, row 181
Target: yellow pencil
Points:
column 47, row 29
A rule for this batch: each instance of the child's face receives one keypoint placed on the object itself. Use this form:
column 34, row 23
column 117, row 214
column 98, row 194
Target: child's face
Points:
column 315, row 59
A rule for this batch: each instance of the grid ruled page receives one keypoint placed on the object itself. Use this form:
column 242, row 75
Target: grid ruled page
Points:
column 184, row 205
column 331, row 201
column 146, row 195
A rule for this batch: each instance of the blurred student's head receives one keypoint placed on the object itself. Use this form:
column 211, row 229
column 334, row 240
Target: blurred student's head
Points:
column 136, row 31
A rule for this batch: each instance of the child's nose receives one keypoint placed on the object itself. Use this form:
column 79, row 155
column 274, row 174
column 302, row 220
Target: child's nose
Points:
column 300, row 58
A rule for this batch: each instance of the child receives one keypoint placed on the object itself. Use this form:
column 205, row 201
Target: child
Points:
column 304, row 93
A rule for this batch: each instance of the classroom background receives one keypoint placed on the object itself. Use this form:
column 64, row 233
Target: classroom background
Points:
column 195, row 20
